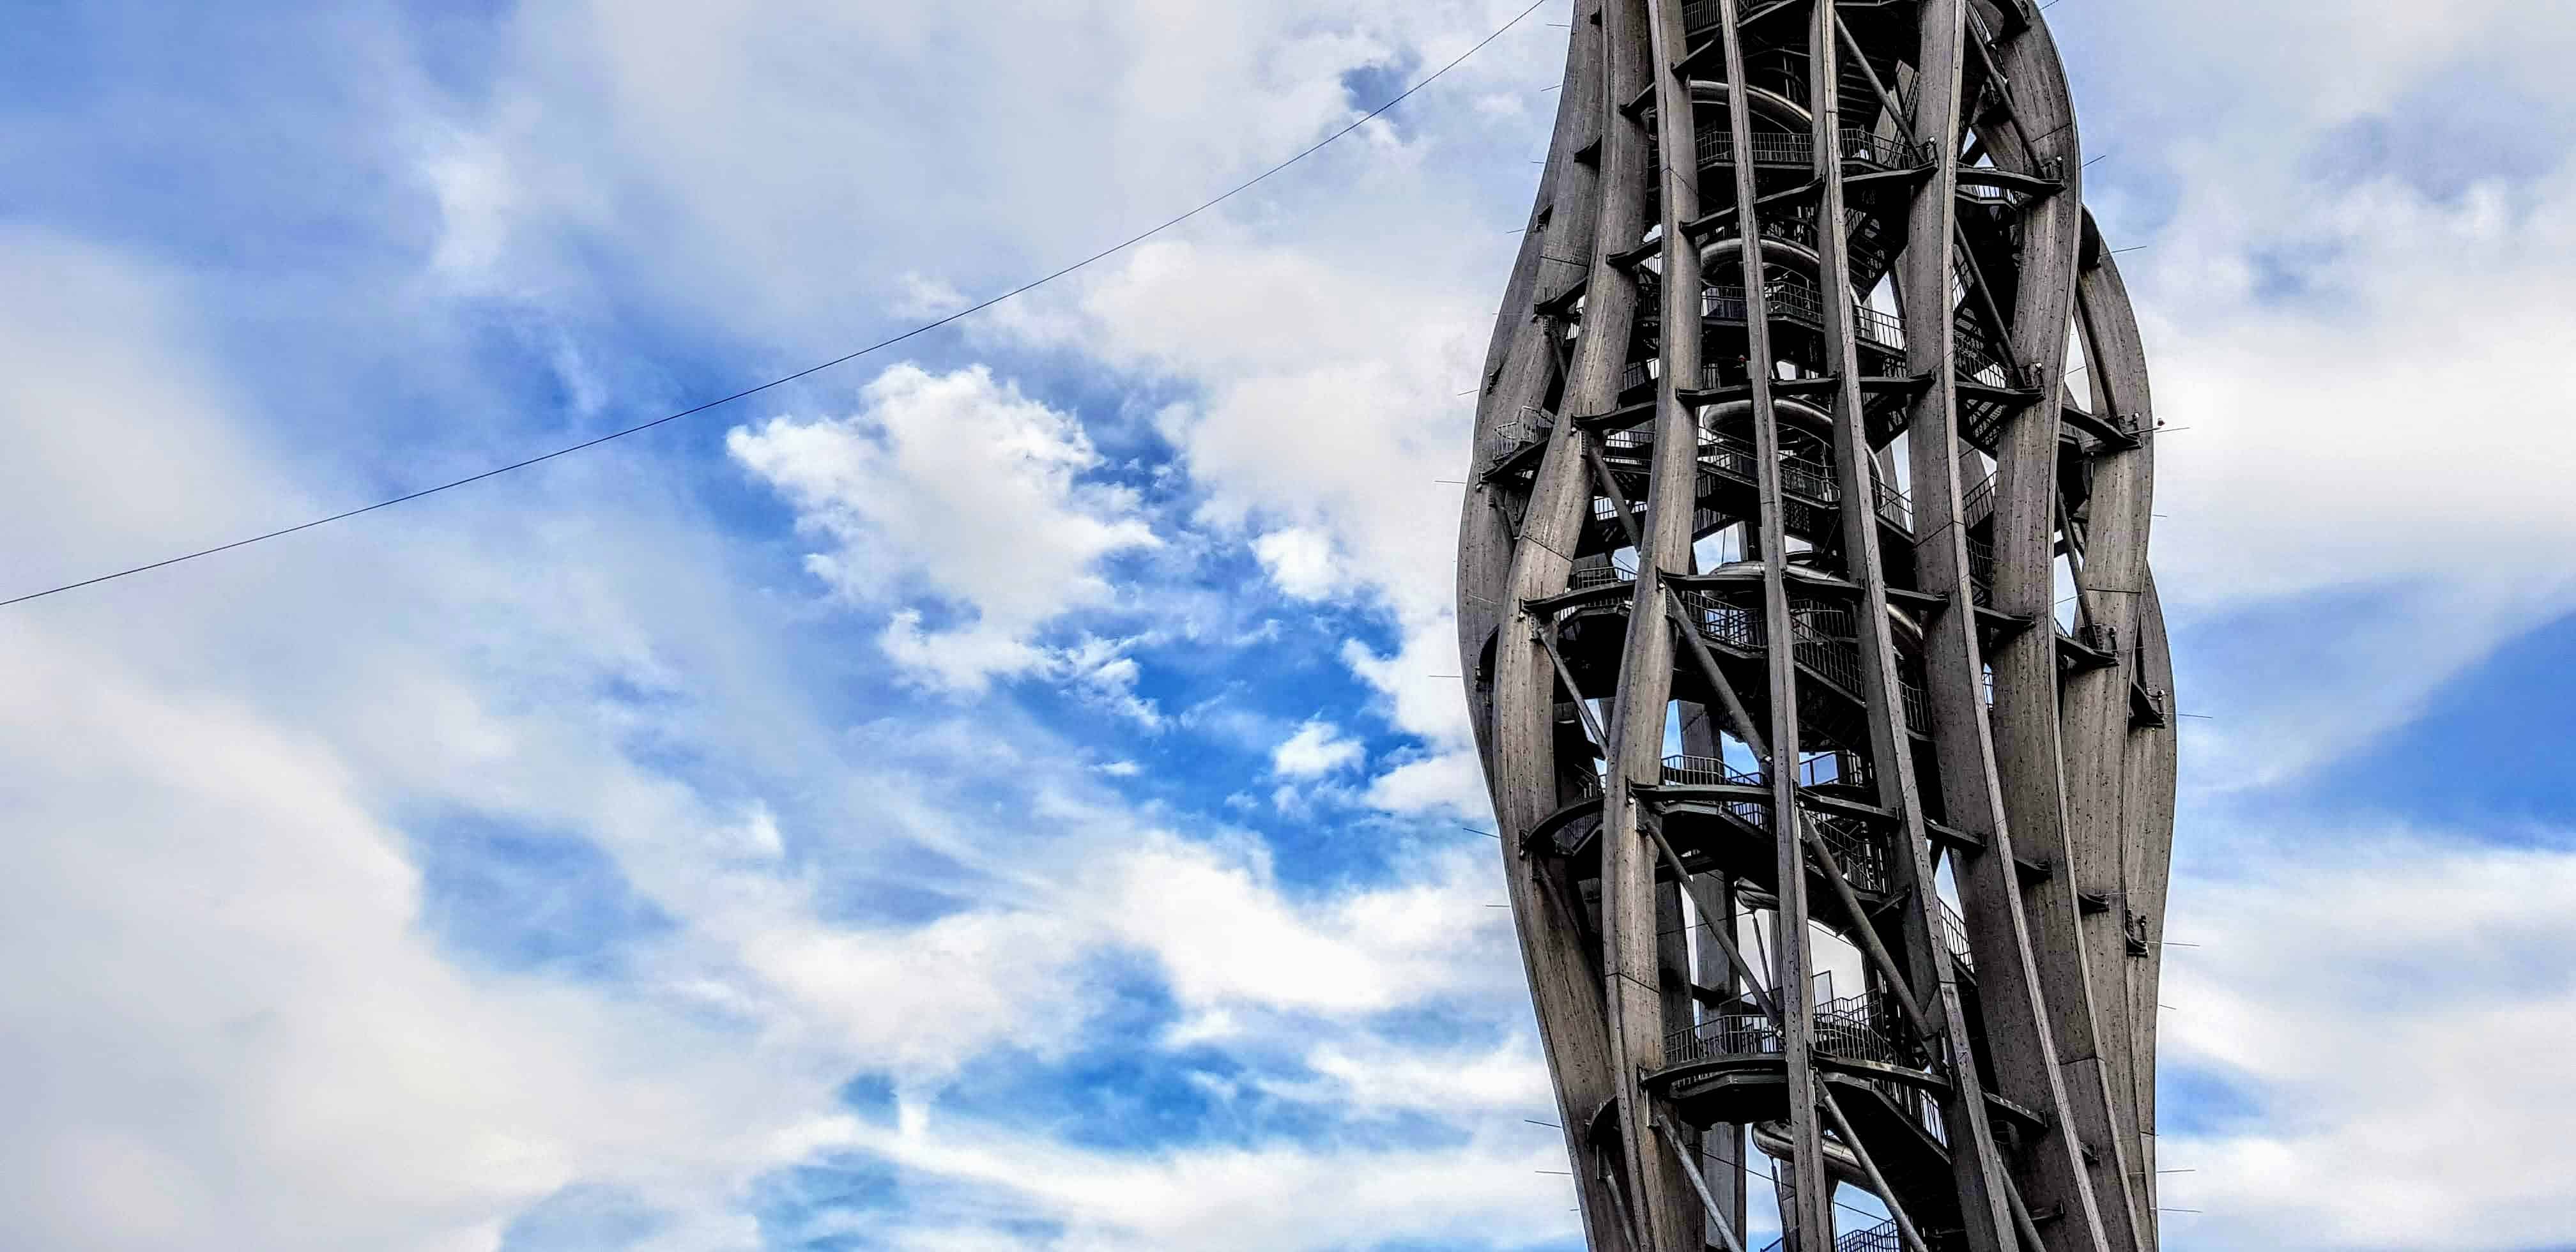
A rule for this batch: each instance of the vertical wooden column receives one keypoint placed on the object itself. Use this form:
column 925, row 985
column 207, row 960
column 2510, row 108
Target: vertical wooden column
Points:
column 1521, row 360
column 1519, row 740
column 1809, row 1208
column 2029, row 749
column 2152, row 765
column 1975, row 1160
column 1661, row 1192
column 1722, row 1147
column 2019, row 1039
column 2119, row 777
column 2059, row 789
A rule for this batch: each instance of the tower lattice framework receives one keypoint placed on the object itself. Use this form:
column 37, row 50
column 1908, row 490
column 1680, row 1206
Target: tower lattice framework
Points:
column 1804, row 601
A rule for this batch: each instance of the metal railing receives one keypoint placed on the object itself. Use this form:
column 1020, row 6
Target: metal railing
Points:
column 1716, row 146
column 1605, row 513
column 1641, row 373
column 1824, row 769
column 1804, row 476
column 1884, row 150
column 1730, row 454
column 1707, row 771
column 1585, row 576
column 1862, row 851
column 1827, row 641
column 1584, row 787
column 1515, row 433
column 1954, row 935
column 1981, row 571
column 1827, row 769
column 1797, row 230
column 1701, row 16
column 1724, row 621
column 1883, row 1237
column 1730, row 1034
column 1847, row 1028
column 1809, row 477
column 1976, row 357
column 1770, row 147
column 1918, row 698
column 1876, row 326
column 1979, row 503
column 1792, row 301
column 1893, row 504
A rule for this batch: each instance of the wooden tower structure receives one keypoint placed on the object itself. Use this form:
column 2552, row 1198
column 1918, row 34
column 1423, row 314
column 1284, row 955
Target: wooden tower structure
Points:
column 1817, row 668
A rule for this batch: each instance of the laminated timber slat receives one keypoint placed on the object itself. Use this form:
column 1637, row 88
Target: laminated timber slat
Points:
column 1861, row 441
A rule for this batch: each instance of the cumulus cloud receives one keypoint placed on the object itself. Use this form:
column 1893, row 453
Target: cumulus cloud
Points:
column 1300, row 561
column 1324, row 372
column 220, row 926
column 965, row 489
column 1315, row 750
column 219, row 883
column 1452, row 780
column 1323, row 450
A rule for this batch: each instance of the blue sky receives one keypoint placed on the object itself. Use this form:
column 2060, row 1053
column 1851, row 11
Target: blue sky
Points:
column 1008, row 792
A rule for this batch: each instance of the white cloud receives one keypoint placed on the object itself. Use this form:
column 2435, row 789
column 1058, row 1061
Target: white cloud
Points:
column 1230, row 941
column 223, row 990
column 964, row 488
column 475, row 204
column 1300, row 561
column 216, row 776
column 215, row 934
column 1274, row 1199
column 1334, row 436
column 216, row 954
column 2344, row 396
column 2297, row 66
column 925, row 299
column 2353, row 296
column 638, row 136
column 2338, row 442
column 1452, row 780
column 2399, row 1015
column 1329, row 366
column 1375, row 1078
column 1315, row 750
column 1326, row 447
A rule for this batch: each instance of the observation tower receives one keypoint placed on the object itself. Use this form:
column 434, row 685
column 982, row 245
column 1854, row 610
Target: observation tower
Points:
column 1815, row 662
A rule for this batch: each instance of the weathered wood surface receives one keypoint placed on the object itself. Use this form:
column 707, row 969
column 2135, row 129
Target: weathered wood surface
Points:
column 1860, row 625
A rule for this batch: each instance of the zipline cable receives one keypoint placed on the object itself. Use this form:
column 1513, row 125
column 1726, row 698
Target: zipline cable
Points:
column 783, row 380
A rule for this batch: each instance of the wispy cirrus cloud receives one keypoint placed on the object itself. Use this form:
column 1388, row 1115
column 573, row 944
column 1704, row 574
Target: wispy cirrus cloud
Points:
column 587, row 832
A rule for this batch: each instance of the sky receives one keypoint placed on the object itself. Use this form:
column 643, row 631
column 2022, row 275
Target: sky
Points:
column 1012, row 791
